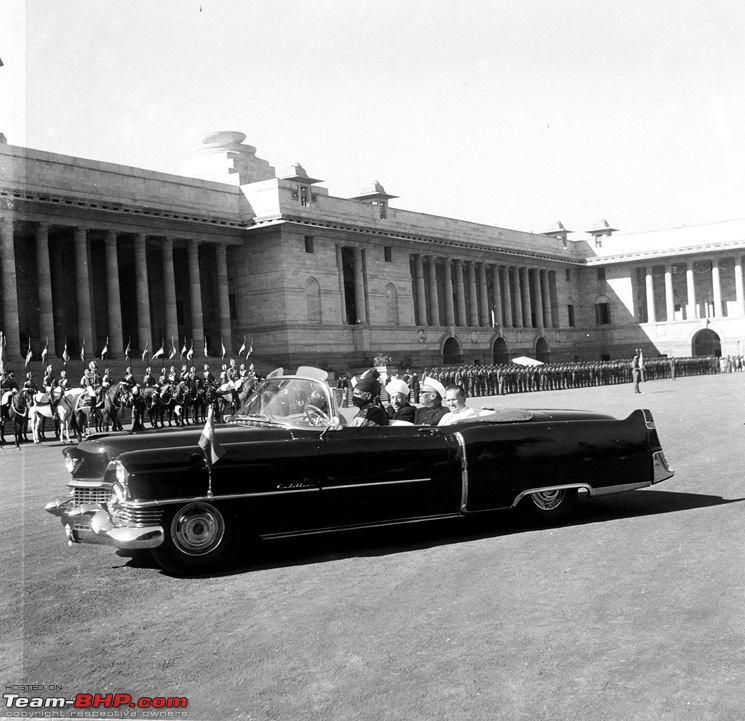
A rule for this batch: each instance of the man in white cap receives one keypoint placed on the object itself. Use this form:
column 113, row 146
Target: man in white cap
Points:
column 400, row 409
column 455, row 400
column 431, row 395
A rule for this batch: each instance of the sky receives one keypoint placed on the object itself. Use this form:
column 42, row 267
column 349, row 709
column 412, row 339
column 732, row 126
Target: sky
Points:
column 513, row 113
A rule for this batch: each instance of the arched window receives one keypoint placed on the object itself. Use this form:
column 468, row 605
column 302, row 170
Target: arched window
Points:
column 542, row 352
column 451, row 352
column 602, row 310
column 391, row 304
column 313, row 300
column 500, row 352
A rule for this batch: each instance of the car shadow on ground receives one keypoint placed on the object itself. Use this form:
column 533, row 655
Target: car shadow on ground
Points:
column 299, row 551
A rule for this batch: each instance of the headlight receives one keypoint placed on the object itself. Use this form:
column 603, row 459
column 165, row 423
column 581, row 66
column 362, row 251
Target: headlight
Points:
column 120, row 471
column 72, row 463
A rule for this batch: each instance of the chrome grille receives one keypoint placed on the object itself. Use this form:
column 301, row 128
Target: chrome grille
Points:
column 137, row 516
column 91, row 495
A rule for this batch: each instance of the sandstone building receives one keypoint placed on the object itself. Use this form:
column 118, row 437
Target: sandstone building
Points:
column 233, row 249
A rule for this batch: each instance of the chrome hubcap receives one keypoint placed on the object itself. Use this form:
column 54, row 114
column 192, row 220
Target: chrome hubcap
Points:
column 548, row 500
column 197, row 529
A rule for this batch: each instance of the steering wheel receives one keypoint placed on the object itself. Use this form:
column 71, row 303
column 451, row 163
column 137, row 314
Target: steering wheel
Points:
column 315, row 416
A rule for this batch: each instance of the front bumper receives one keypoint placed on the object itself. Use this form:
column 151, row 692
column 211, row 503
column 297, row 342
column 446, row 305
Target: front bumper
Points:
column 92, row 523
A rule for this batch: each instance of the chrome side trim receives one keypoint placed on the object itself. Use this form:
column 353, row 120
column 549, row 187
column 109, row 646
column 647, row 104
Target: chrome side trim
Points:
column 213, row 498
column 463, row 472
column 364, row 526
column 660, row 470
column 542, row 489
column 607, row 490
column 375, row 485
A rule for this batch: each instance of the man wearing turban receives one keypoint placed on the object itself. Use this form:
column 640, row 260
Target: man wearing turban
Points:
column 432, row 394
column 365, row 397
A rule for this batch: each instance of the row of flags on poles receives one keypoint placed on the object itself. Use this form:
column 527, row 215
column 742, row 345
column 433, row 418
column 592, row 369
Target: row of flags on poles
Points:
column 246, row 347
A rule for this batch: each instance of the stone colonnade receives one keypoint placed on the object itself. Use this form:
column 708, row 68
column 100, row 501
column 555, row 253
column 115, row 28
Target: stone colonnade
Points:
column 716, row 309
column 82, row 292
column 483, row 294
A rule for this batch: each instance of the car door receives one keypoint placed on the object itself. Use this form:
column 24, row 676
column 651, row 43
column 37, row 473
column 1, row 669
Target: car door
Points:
column 392, row 473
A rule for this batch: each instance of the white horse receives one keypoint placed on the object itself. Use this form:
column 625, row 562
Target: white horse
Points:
column 62, row 411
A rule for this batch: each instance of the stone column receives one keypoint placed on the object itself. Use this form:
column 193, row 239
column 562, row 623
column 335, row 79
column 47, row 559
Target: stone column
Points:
column 342, row 294
column 716, row 288
column 517, row 303
column 538, row 298
column 649, row 278
column 553, row 295
column 142, row 290
column 460, row 294
column 473, row 298
column 11, row 325
column 548, row 321
column 507, row 290
column 223, row 299
column 691, row 286
column 525, row 288
column 434, row 301
column 496, row 292
column 195, row 295
column 116, row 340
column 739, row 296
column 44, row 279
column 82, row 281
column 169, row 291
column 669, row 299
column 447, row 266
column 484, row 314
column 359, row 287
column 421, row 297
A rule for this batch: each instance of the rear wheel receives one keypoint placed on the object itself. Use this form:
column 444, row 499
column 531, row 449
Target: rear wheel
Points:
column 548, row 508
column 198, row 538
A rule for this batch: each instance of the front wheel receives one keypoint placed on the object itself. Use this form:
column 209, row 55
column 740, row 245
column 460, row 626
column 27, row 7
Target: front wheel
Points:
column 198, row 538
column 549, row 508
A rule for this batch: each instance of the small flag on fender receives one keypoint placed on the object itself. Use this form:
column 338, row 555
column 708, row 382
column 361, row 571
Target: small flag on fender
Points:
column 213, row 451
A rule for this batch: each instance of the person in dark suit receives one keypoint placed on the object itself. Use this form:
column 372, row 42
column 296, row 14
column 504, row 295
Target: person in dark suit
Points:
column 432, row 394
column 400, row 409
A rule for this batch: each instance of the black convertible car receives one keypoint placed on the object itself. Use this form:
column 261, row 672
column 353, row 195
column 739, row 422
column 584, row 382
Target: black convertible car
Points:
column 291, row 466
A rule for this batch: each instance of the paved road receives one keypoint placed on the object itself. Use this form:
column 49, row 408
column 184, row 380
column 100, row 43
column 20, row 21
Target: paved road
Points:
column 634, row 611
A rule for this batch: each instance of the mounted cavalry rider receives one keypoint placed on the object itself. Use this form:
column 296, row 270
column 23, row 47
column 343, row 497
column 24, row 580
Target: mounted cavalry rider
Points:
column 30, row 383
column 209, row 379
column 148, row 379
column 129, row 378
column 232, row 370
column 64, row 381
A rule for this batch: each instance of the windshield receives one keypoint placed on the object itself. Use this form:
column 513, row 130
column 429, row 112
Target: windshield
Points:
column 289, row 401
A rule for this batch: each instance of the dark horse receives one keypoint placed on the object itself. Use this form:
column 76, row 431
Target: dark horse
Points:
column 17, row 411
column 86, row 413
column 112, row 400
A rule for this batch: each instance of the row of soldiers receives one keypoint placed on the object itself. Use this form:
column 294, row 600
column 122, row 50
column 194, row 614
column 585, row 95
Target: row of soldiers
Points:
column 92, row 378
column 492, row 380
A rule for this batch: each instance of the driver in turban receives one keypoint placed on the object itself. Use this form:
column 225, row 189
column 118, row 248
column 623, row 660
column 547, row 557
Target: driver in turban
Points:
column 366, row 397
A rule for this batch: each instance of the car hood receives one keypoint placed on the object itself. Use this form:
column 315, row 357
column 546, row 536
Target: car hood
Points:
column 92, row 456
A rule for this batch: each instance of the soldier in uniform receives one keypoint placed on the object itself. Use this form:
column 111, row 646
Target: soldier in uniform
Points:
column 29, row 382
column 64, row 381
column 129, row 378
column 209, row 379
column 148, row 380
column 232, row 371
column 49, row 382
column 138, row 409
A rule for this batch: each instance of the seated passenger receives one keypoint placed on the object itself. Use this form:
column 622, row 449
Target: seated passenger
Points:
column 432, row 392
column 400, row 409
column 455, row 400
column 365, row 396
